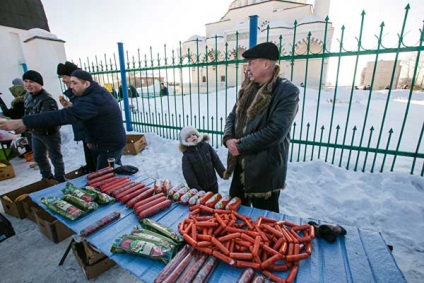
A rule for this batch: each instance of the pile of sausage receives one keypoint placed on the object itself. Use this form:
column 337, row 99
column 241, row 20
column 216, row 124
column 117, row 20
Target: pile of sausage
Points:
column 265, row 244
column 131, row 193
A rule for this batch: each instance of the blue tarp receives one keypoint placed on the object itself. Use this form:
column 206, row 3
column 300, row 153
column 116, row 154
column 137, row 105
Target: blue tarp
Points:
column 360, row 256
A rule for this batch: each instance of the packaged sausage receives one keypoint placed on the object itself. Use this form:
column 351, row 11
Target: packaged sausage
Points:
column 62, row 207
column 178, row 194
column 186, row 197
column 222, row 202
column 213, row 200
column 151, row 225
column 205, row 198
column 158, row 186
column 234, row 204
column 80, row 203
column 100, row 198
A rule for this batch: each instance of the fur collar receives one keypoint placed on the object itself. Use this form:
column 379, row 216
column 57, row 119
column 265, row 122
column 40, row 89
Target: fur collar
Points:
column 184, row 146
column 263, row 97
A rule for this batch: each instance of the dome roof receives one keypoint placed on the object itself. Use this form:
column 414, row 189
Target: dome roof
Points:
column 195, row 37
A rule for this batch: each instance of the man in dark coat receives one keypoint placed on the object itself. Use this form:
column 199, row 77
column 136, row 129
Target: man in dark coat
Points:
column 200, row 161
column 95, row 108
column 44, row 138
column 257, row 131
column 64, row 70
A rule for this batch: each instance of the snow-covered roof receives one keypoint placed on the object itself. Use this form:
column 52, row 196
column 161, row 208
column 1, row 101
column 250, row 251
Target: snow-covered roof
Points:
column 40, row 33
column 277, row 24
column 311, row 19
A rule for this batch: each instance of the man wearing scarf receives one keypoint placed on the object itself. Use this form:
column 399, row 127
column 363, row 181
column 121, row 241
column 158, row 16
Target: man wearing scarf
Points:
column 257, row 131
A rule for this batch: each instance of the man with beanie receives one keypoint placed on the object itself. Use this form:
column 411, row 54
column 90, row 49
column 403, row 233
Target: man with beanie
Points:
column 257, row 131
column 64, row 70
column 45, row 138
column 98, row 111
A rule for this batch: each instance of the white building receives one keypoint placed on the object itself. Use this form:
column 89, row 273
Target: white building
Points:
column 26, row 43
column 276, row 19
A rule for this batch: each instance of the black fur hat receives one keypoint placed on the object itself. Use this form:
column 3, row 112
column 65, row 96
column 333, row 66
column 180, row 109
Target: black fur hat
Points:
column 265, row 50
column 66, row 69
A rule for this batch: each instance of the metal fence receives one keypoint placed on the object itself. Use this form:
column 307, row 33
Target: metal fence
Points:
column 356, row 127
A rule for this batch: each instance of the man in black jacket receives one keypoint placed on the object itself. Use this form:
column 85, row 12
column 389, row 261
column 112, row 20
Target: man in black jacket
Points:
column 95, row 108
column 45, row 138
column 64, row 70
column 257, row 131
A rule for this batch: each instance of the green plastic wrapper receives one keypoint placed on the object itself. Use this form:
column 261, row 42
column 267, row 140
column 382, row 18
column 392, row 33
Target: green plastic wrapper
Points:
column 101, row 198
column 134, row 245
column 80, row 203
column 75, row 191
column 62, row 207
column 149, row 224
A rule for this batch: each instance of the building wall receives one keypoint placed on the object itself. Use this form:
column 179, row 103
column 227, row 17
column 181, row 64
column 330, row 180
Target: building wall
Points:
column 383, row 74
column 38, row 49
column 280, row 17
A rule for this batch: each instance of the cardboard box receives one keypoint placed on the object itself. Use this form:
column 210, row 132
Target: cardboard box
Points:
column 135, row 144
column 6, row 172
column 30, row 208
column 12, row 201
column 93, row 270
column 51, row 227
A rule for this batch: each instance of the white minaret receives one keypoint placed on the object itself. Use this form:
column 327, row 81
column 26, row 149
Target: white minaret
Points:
column 322, row 8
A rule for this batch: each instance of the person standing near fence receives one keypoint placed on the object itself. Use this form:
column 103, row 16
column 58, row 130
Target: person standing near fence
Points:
column 64, row 70
column 257, row 130
column 98, row 111
column 45, row 138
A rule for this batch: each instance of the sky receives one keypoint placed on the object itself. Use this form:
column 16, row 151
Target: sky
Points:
column 390, row 202
column 93, row 28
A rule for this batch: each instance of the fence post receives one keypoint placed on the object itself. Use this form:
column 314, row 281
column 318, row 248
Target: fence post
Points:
column 124, row 86
column 253, row 31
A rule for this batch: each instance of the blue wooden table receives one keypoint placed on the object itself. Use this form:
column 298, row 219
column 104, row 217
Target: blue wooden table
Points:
column 360, row 256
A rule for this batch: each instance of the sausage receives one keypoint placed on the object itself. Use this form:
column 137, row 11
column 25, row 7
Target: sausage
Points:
column 223, row 257
column 100, row 178
column 220, row 246
column 120, row 188
column 247, row 264
column 108, row 188
column 234, row 204
column 246, row 276
column 205, row 198
column 99, row 173
column 206, row 270
column 229, row 237
column 147, row 193
column 122, row 193
column 116, row 182
column 297, row 257
column 183, row 253
column 179, row 269
column 244, row 256
column 292, row 274
column 146, row 206
column 132, row 203
column 273, row 277
column 130, row 196
column 213, row 200
column 189, row 275
column 154, row 209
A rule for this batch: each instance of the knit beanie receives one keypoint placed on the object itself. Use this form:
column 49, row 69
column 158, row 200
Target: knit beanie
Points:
column 17, row 81
column 82, row 75
column 33, row 76
column 186, row 132
column 66, row 69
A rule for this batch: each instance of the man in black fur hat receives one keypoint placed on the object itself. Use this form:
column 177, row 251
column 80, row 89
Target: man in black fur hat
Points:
column 64, row 70
column 257, row 131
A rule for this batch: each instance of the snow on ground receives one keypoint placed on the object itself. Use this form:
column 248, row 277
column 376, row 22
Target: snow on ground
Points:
column 390, row 203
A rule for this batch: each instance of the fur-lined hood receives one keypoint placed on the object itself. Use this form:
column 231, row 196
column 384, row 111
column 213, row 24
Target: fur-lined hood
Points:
column 185, row 132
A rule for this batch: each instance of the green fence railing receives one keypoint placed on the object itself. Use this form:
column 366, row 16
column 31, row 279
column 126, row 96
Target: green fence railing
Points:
column 356, row 127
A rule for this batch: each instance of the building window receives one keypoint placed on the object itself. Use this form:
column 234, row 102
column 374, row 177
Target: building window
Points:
column 222, row 78
column 203, row 79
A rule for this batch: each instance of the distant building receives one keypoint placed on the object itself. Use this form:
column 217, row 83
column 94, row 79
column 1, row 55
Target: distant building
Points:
column 383, row 74
column 279, row 16
column 26, row 43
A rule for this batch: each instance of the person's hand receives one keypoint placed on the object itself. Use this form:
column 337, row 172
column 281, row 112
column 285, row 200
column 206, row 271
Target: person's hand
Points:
column 13, row 125
column 232, row 146
column 65, row 103
column 89, row 145
column 226, row 175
